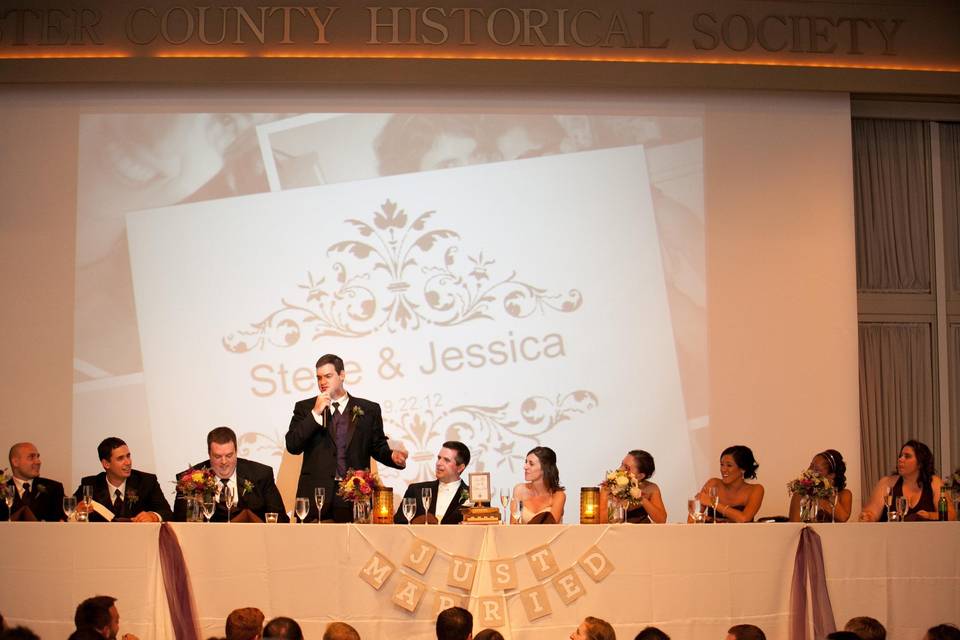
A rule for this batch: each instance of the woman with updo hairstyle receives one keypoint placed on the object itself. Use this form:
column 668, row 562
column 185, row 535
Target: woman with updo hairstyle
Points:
column 640, row 465
column 915, row 478
column 540, row 493
column 830, row 465
column 739, row 500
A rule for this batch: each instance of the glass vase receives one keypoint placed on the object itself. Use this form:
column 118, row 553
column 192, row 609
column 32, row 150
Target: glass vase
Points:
column 361, row 512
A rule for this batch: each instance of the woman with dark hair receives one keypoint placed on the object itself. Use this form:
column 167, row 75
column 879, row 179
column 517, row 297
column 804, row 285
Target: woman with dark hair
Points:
column 738, row 500
column 830, row 465
column 916, row 480
column 640, row 465
column 541, row 492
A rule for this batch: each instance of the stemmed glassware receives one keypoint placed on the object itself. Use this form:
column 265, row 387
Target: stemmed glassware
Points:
column 87, row 501
column 901, row 508
column 409, row 508
column 834, row 497
column 517, row 510
column 693, row 508
column 209, row 506
column 888, row 502
column 228, row 496
column 69, row 506
column 505, row 503
column 714, row 493
column 8, row 500
column 302, row 508
column 319, row 496
column 426, row 495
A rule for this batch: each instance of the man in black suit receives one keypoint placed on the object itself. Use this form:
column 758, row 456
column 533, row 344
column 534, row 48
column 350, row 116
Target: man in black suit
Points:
column 128, row 493
column 336, row 432
column 251, row 482
column 42, row 496
column 448, row 491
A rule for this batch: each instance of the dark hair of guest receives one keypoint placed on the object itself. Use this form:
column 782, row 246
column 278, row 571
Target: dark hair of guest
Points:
column 743, row 456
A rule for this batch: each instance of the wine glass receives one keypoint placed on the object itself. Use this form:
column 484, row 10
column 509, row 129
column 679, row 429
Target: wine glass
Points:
column 8, row 500
column 87, row 496
column 69, row 506
column 409, row 508
column 505, row 503
column 228, row 496
column 693, row 508
column 517, row 510
column 834, row 497
column 714, row 493
column 888, row 501
column 303, row 506
column 901, row 508
column 209, row 506
column 426, row 495
column 319, row 496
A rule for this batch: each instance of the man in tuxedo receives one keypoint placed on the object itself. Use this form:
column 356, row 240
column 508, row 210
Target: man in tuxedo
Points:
column 336, row 432
column 42, row 496
column 128, row 493
column 251, row 483
column 448, row 490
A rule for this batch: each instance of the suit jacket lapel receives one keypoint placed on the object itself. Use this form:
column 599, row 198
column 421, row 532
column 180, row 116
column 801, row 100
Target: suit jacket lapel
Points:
column 454, row 505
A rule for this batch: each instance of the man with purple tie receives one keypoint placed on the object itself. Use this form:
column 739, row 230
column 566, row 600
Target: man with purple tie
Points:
column 335, row 432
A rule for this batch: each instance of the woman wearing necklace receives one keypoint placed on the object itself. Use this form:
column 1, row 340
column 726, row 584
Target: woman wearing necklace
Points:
column 830, row 465
column 737, row 500
column 916, row 480
column 541, row 492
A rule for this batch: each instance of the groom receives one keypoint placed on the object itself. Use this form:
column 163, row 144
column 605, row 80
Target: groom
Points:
column 336, row 431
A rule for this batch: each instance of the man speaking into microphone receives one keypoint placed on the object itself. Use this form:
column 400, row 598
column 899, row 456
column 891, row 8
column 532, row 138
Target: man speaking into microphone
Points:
column 336, row 431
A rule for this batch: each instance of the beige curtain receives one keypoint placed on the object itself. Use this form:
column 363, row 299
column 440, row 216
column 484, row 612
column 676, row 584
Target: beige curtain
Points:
column 892, row 196
column 896, row 395
column 954, row 360
column 950, row 172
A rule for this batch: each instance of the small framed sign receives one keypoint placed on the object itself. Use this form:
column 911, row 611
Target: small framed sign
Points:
column 480, row 488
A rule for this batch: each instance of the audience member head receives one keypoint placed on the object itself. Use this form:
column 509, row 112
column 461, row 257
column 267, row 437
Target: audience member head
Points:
column 85, row 634
column 651, row 633
column 489, row 634
column 340, row 631
column 244, row 624
column 866, row 627
column 842, row 635
column 455, row 623
column 593, row 629
column 542, row 462
column 24, row 461
column 745, row 631
column 452, row 459
column 916, row 457
column 98, row 614
column 282, row 628
column 830, row 463
column 639, row 463
column 942, row 632
column 19, row 633
column 742, row 458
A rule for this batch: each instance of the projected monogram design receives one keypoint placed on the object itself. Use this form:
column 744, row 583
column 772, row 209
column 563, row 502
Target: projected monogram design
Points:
column 502, row 433
column 404, row 279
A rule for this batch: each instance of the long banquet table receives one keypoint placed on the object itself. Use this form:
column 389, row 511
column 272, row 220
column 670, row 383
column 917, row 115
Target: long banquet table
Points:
column 693, row 581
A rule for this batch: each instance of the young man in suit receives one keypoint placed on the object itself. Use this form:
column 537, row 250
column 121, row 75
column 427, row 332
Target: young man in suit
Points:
column 128, row 493
column 251, row 483
column 42, row 496
column 335, row 432
column 447, row 490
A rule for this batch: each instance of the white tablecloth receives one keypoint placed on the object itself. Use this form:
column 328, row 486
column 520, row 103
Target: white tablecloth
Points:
column 692, row 581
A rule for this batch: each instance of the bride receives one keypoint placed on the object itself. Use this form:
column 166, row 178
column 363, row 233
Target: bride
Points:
column 541, row 492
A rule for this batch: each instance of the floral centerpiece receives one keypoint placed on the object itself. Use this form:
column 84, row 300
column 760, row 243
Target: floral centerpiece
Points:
column 623, row 489
column 357, row 487
column 811, row 487
column 195, row 483
column 6, row 490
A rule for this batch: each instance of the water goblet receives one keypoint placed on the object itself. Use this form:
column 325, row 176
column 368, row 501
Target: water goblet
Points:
column 228, row 495
column 8, row 500
column 901, row 508
column 302, row 508
column 693, row 509
column 409, row 508
column 69, row 506
column 888, row 502
column 209, row 506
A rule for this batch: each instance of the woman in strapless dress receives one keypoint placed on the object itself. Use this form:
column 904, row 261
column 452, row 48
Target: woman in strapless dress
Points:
column 541, row 492
column 739, row 500
column 830, row 465
column 915, row 479
column 640, row 465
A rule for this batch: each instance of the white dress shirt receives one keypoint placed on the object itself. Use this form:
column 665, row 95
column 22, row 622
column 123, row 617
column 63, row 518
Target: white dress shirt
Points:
column 446, row 493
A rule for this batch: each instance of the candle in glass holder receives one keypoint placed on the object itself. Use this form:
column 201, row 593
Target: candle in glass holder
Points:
column 383, row 505
column 589, row 505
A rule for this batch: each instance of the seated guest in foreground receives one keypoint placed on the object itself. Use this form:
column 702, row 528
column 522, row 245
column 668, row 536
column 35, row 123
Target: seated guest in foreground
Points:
column 915, row 479
column 745, row 632
column 830, row 465
column 651, row 633
column 19, row 633
column 447, row 490
column 489, row 634
column 251, row 482
column 340, row 631
column 593, row 629
column 282, row 628
column 541, row 493
column 99, row 615
column 455, row 623
column 43, row 497
column 842, row 635
column 942, row 632
column 739, row 500
column 639, row 464
column 128, row 493
column 244, row 624
column 866, row 627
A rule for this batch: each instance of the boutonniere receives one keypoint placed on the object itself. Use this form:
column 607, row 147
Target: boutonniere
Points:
column 465, row 497
column 356, row 413
column 39, row 488
column 131, row 497
column 246, row 487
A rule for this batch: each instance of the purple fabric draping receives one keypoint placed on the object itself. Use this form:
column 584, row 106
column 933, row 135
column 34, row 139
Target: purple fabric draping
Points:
column 176, row 584
column 808, row 564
